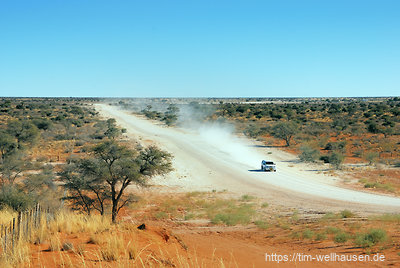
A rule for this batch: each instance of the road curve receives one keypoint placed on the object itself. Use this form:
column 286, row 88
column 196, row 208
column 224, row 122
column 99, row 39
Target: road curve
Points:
column 210, row 158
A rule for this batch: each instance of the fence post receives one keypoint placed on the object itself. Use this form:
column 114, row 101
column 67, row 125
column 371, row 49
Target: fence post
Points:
column 10, row 233
column 47, row 216
column 5, row 240
column 40, row 215
column 19, row 225
column 30, row 223
column 36, row 215
column 13, row 233
column 26, row 224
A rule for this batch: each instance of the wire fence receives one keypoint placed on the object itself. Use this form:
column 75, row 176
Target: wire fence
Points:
column 23, row 226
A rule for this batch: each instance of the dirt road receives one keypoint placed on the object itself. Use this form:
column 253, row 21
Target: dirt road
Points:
column 210, row 158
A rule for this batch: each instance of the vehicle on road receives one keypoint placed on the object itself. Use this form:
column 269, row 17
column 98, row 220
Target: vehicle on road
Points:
column 268, row 166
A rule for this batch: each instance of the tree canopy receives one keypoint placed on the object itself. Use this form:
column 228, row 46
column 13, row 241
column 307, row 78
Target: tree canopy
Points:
column 285, row 131
column 104, row 176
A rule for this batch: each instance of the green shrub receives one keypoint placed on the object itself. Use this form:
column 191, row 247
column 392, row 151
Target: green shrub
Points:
column 378, row 185
column 247, row 197
column 233, row 215
column 332, row 230
column 15, row 198
column 371, row 238
column 346, row 214
column 371, row 156
column 307, row 234
column 308, row 154
column 341, row 237
column 320, row 236
column 336, row 159
column 262, row 224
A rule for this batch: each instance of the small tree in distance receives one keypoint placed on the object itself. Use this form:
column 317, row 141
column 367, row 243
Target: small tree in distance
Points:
column 336, row 159
column 308, row 154
column 285, row 131
column 171, row 115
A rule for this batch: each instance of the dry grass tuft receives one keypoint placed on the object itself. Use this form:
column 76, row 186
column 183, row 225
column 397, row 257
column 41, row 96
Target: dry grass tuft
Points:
column 17, row 256
column 112, row 249
column 6, row 215
column 54, row 243
column 131, row 251
column 72, row 223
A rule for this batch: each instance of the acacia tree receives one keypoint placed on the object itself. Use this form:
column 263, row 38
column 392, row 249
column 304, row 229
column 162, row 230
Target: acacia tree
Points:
column 111, row 168
column 8, row 145
column 80, row 188
column 171, row 115
column 23, row 130
column 112, row 131
column 11, row 168
column 285, row 131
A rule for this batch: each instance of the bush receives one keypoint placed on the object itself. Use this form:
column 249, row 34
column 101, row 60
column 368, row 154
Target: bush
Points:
column 333, row 230
column 308, row 154
column 43, row 124
column 341, row 237
column 371, row 156
column 253, row 131
column 336, row 159
column 308, row 234
column 346, row 214
column 247, row 197
column 234, row 215
column 15, row 198
column 336, row 146
column 62, row 137
column 80, row 143
column 320, row 236
column 262, row 224
column 324, row 158
column 376, row 185
column 371, row 238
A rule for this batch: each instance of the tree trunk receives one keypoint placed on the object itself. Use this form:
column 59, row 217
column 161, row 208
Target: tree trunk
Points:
column 114, row 211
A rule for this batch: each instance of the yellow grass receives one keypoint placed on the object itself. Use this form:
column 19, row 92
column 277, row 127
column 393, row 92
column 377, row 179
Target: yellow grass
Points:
column 19, row 254
column 72, row 223
column 6, row 215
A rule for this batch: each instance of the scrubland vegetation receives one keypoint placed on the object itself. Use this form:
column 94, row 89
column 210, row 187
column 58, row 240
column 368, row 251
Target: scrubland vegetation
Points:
column 331, row 130
column 60, row 154
column 343, row 227
column 360, row 137
column 77, row 239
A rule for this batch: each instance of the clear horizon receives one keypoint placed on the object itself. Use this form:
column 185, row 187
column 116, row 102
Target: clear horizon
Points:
column 209, row 49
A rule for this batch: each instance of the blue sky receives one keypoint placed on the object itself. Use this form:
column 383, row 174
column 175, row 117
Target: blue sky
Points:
column 218, row 48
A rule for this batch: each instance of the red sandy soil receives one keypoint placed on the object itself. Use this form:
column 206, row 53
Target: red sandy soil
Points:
column 164, row 242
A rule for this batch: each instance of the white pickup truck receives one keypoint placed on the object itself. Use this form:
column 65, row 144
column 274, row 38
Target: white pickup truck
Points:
column 268, row 166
